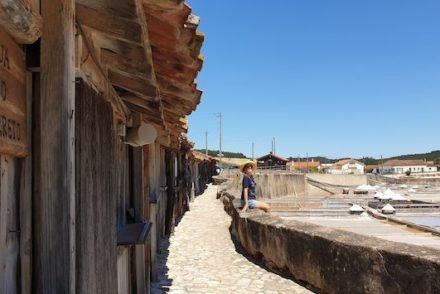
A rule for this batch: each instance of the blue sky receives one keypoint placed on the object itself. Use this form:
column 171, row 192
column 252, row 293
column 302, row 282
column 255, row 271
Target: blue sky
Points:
column 338, row 78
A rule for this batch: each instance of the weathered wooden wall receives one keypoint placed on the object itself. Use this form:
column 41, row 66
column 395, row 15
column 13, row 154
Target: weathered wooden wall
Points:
column 100, row 172
column 9, row 224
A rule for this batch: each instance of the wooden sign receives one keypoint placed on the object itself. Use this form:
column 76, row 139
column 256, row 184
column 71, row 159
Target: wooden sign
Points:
column 12, row 97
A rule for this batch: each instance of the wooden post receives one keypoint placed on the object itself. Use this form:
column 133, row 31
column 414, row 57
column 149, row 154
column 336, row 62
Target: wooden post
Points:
column 55, row 221
column 26, row 199
column 154, row 191
column 4, row 195
column 138, row 190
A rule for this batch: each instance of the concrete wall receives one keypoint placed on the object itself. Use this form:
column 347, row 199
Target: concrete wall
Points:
column 341, row 180
column 332, row 260
column 316, row 191
column 274, row 185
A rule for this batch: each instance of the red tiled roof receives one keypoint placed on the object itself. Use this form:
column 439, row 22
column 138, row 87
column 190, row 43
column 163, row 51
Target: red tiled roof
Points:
column 304, row 164
column 409, row 162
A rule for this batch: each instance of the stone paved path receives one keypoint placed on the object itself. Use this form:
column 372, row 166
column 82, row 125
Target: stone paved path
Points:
column 201, row 258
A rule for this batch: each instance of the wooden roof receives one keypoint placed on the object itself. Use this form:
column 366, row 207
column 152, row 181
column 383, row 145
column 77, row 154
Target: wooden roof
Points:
column 149, row 51
column 272, row 156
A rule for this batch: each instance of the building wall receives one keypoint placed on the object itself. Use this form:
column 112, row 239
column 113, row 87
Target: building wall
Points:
column 413, row 169
column 348, row 168
column 101, row 193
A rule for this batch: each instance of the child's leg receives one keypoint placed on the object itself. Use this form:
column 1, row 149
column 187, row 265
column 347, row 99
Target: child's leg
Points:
column 264, row 206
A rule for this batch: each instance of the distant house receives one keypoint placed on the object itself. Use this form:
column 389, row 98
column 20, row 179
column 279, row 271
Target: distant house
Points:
column 396, row 166
column 303, row 165
column 347, row 166
column 272, row 161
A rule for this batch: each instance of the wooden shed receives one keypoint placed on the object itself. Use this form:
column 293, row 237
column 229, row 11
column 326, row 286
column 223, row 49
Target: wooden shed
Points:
column 272, row 161
column 95, row 163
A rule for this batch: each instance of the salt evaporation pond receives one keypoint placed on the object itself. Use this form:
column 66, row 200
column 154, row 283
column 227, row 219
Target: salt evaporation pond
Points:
column 369, row 226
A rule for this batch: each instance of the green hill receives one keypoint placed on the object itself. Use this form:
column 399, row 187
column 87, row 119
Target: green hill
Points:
column 431, row 156
column 225, row 153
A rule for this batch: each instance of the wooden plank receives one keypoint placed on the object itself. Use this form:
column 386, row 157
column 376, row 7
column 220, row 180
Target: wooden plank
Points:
column 117, row 27
column 170, row 171
column 4, row 196
column 152, row 106
column 26, row 202
column 56, row 270
column 95, row 75
column 126, row 63
column 123, row 273
column 153, row 165
column 134, row 234
column 20, row 20
column 98, row 177
column 123, row 9
column 12, row 98
column 133, row 84
column 9, row 254
column 150, row 117
column 138, row 193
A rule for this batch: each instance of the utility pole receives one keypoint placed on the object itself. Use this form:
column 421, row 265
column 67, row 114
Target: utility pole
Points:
column 206, row 143
column 381, row 159
column 253, row 149
column 220, row 155
column 307, row 164
column 274, row 146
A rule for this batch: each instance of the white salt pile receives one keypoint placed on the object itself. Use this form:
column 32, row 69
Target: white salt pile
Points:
column 378, row 195
column 356, row 209
column 398, row 197
column 366, row 188
column 388, row 209
column 391, row 195
column 386, row 195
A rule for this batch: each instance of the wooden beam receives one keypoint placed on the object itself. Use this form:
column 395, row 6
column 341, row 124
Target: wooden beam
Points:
column 133, row 84
column 55, row 223
column 123, row 9
column 126, row 63
column 20, row 20
column 165, row 4
column 148, row 116
column 94, row 73
column 117, row 27
column 152, row 106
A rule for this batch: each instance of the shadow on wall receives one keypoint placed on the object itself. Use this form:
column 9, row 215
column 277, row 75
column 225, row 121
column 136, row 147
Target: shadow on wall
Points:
column 164, row 283
column 259, row 260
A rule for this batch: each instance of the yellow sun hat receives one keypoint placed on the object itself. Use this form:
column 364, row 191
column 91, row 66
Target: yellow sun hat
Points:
column 244, row 164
